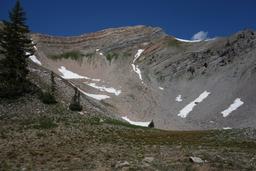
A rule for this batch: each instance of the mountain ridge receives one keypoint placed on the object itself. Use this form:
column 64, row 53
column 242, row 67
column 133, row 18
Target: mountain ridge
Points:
column 165, row 69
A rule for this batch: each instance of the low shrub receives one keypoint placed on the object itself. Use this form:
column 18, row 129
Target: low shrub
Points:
column 75, row 107
column 112, row 56
column 47, row 98
column 45, row 123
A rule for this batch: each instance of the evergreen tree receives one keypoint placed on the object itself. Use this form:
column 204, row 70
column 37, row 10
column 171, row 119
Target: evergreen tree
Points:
column 16, row 47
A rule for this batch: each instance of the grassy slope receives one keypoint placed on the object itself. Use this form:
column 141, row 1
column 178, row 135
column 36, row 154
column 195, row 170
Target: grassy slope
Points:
column 50, row 137
column 35, row 136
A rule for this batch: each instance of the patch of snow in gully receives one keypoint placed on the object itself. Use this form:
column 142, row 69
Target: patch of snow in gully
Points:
column 136, row 67
column 234, row 106
column 137, row 55
column 137, row 70
column 187, row 109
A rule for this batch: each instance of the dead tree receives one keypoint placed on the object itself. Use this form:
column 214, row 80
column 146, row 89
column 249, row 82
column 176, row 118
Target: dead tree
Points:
column 53, row 84
column 75, row 101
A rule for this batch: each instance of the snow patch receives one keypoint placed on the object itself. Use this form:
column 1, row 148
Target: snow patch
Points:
column 161, row 88
column 101, row 54
column 178, row 98
column 234, row 106
column 97, row 50
column 103, row 88
column 69, row 74
column 35, row 60
column 136, row 67
column 188, row 41
column 137, row 55
column 96, row 80
column 194, row 41
column 96, row 96
column 144, row 124
column 227, row 128
column 187, row 109
column 137, row 70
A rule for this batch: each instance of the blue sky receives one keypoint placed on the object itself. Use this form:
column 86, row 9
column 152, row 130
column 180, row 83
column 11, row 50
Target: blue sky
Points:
column 181, row 18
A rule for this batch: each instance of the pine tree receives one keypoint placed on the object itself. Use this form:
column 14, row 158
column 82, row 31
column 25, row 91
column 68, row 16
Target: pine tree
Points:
column 16, row 47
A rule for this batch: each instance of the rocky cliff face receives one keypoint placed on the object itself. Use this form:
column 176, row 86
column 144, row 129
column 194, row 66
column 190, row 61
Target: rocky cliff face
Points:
column 144, row 74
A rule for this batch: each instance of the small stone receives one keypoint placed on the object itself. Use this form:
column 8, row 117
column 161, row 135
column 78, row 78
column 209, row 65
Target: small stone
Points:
column 148, row 159
column 124, row 164
column 196, row 160
column 81, row 113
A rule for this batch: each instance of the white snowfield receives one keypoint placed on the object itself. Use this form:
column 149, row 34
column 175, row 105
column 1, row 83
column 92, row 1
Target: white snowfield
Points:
column 144, row 124
column 103, row 88
column 101, row 54
column 67, row 74
column 234, row 106
column 97, row 50
column 187, row 109
column 178, row 98
column 136, row 67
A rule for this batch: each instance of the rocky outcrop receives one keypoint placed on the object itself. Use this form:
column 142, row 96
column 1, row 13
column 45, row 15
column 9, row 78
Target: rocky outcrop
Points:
column 106, row 40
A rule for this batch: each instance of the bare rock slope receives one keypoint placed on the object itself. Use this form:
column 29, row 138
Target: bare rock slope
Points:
column 144, row 74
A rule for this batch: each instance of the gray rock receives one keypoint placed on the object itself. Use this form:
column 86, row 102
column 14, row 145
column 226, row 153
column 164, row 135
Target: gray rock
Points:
column 196, row 160
column 148, row 159
column 122, row 164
